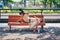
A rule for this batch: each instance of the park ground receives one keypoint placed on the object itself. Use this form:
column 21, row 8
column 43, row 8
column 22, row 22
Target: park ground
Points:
column 52, row 32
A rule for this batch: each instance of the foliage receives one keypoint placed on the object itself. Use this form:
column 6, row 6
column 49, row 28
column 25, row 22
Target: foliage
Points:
column 30, row 11
column 58, row 1
column 54, row 2
column 9, row 1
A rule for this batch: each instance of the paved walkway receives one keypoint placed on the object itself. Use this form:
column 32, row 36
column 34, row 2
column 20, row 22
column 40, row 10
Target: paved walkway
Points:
column 52, row 33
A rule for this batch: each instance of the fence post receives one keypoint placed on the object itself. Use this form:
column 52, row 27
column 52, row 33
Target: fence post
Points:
column 0, row 14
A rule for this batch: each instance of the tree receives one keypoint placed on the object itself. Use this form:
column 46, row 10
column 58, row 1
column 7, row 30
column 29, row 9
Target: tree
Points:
column 44, row 2
column 58, row 3
column 6, row 1
column 54, row 2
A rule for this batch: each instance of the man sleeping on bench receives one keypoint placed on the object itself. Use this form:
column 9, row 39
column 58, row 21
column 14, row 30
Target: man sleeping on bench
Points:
column 33, row 21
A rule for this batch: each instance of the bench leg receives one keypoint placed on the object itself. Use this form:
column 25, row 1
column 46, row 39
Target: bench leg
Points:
column 41, row 29
column 9, row 28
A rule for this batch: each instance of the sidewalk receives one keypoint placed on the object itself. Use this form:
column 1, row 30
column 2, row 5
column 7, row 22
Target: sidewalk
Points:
column 52, row 33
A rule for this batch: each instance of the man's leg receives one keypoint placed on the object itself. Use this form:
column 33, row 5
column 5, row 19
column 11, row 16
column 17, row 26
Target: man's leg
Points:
column 35, row 28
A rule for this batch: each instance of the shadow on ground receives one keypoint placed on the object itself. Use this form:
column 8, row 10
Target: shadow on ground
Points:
column 52, row 33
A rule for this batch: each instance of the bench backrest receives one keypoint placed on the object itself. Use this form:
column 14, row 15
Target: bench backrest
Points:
column 14, row 18
column 39, row 16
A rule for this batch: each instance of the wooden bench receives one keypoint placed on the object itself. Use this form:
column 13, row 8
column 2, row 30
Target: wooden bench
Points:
column 12, row 21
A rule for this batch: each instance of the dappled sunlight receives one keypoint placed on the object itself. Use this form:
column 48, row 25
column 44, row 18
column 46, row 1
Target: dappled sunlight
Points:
column 52, row 33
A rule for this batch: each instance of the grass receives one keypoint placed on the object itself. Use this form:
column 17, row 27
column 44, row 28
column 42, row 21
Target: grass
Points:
column 32, row 11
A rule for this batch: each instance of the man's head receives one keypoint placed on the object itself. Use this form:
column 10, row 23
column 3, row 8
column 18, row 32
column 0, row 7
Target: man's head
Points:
column 20, row 10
